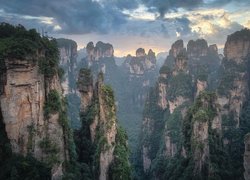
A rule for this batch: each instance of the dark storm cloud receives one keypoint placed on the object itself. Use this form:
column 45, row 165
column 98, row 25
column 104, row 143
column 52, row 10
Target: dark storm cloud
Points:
column 122, row 4
column 217, row 3
column 102, row 16
column 184, row 27
column 74, row 17
column 164, row 6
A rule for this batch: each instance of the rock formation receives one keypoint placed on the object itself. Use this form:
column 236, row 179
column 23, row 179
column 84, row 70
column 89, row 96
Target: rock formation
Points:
column 196, row 49
column 172, row 92
column 100, row 50
column 99, row 128
column 183, row 141
column 140, row 64
column 69, row 68
column 237, row 46
column 68, row 61
column 31, row 103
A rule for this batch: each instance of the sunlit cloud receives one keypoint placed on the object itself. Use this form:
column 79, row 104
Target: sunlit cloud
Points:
column 140, row 13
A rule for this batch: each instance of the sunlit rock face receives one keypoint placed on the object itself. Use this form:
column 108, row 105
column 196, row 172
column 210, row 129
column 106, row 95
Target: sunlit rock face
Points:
column 22, row 104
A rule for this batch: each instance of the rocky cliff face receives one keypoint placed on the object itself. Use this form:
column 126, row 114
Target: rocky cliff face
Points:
column 100, row 50
column 68, row 61
column 233, row 88
column 213, row 127
column 140, row 74
column 237, row 46
column 176, row 48
column 33, row 110
column 99, row 124
column 173, row 90
column 101, row 58
column 196, row 49
column 141, row 63
column 23, row 101
column 69, row 68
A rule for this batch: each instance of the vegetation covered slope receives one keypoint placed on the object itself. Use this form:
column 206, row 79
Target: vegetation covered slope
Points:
column 35, row 59
column 206, row 140
column 101, row 144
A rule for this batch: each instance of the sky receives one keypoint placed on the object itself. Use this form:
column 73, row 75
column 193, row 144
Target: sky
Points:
column 131, row 24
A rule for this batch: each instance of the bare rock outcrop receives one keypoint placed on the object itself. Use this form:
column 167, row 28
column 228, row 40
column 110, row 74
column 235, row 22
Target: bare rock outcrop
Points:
column 68, row 62
column 176, row 48
column 100, row 50
column 23, row 100
column 141, row 63
column 237, row 47
column 98, row 99
column 196, row 49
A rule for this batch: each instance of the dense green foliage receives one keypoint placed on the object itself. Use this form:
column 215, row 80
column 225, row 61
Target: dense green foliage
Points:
column 49, row 64
column 56, row 104
column 229, row 73
column 53, row 103
column 85, row 78
column 153, row 111
column 120, row 168
column 88, row 149
column 18, row 43
column 181, row 85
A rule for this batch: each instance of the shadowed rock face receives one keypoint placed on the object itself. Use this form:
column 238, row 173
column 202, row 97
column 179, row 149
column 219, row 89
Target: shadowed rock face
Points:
column 141, row 63
column 237, row 46
column 196, row 49
column 140, row 52
column 176, row 48
column 213, row 49
column 103, row 126
column 101, row 50
column 68, row 62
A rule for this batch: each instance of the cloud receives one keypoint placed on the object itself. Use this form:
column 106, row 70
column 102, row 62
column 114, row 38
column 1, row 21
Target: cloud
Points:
column 164, row 31
column 74, row 17
column 121, row 4
column 164, row 6
column 220, row 3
